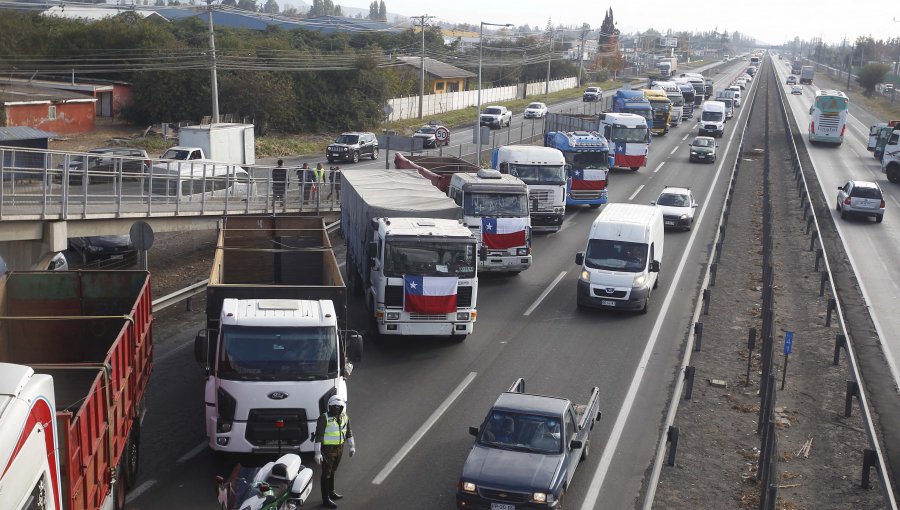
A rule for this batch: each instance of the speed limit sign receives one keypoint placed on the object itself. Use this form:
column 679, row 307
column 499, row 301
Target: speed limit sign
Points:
column 442, row 135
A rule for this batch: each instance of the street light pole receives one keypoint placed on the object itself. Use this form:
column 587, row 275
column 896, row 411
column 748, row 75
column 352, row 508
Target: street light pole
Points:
column 549, row 58
column 477, row 128
column 214, row 85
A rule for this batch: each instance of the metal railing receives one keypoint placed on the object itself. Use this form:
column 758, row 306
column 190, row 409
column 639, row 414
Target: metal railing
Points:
column 193, row 289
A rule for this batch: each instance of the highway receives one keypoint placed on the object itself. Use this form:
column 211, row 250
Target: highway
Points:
column 412, row 399
column 870, row 246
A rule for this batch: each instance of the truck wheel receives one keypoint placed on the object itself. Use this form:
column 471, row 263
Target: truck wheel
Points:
column 879, row 218
column 586, row 451
column 375, row 154
column 118, row 488
column 893, row 172
column 132, row 456
column 562, row 500
column 646, row 305
column 635, row 168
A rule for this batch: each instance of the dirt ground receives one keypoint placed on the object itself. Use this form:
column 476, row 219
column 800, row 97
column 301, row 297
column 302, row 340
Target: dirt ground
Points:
column 718, row 449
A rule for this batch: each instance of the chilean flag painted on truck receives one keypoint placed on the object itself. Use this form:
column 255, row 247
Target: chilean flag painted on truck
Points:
column 503, row 233
column 588, row 179
column 431, row 295
column 630, row 155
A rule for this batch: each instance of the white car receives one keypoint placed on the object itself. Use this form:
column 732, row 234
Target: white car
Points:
column 677, row 206
column 536, row 111
column 796, row 89
column 741, row 83
column 737, row 95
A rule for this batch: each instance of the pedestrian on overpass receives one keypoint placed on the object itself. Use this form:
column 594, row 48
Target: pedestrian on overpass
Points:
column 279, row 182
column 319, row 176
column 334, row 177
column 332, row 431
column 305, row 178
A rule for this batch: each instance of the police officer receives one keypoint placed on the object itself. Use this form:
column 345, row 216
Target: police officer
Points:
column 332, row 431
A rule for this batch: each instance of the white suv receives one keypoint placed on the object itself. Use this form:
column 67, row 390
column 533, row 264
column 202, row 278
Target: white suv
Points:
column 495, row 116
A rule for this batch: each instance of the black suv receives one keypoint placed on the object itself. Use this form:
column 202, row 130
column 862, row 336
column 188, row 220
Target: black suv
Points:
column 352, row 146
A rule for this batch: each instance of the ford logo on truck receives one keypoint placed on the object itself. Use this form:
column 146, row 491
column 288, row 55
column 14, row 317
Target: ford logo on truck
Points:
column 278, row 395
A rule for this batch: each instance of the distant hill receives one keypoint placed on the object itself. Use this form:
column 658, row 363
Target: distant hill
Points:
column 347, row 10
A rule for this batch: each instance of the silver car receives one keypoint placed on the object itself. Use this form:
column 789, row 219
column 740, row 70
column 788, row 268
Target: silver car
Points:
column 677, row 206
column 863, row 198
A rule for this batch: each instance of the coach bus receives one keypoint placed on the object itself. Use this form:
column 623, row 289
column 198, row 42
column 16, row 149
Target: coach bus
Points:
column 828, row 117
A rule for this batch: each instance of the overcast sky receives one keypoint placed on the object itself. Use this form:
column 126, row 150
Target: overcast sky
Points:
column 772, row 21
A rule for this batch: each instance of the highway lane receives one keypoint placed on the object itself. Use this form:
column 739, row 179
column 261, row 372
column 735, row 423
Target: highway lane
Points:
column 401, row 383
column 870, row 246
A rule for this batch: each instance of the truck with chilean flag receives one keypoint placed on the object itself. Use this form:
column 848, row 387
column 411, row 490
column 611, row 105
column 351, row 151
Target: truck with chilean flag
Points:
column 409, row 253
column 587, row 165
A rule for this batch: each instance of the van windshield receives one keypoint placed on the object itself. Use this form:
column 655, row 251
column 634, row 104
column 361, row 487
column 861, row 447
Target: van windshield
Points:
column 710, row 116
column 612, row 255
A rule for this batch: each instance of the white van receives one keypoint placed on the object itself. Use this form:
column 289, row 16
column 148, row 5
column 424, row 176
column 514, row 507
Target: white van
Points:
column 729, row 105
column 620, row 265
column 712, row 119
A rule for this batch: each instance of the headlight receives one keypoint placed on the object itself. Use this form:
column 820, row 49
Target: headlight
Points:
column 462, row 316
column 539, row 497
column 468, row 487
column 640, row 280
column 521, row 252
column 694, row 153
column 585, row 276
column 393, row 316
column 684, row 216
column 223, row 427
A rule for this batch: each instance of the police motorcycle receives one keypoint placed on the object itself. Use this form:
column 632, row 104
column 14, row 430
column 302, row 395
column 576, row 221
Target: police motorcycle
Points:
column 284, row 484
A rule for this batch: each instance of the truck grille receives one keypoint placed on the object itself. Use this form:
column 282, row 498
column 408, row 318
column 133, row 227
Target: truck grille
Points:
column 586, row 194
column 505, row 496
column 543, row 197
column 618, row 294
column 261, row 429
column 393, row 297
column 427, row 317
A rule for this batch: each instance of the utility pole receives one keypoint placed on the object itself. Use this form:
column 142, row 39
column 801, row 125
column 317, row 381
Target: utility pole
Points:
column 849, row 68
column 214, row 85
column 549, row 58
column 422, row 62
column 581, row 55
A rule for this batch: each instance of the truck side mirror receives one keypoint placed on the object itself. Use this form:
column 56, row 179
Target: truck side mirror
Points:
column 201, row 348
column 579, row 258
column 575, row 444
column 654, row 266
column 482, row 253
column 354, row 347
column 473, row 431
column 372, row 249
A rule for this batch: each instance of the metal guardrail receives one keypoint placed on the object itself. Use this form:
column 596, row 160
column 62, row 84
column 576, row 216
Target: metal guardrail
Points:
column 200, row 287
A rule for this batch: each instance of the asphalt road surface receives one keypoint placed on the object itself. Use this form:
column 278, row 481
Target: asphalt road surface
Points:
column 412, row 399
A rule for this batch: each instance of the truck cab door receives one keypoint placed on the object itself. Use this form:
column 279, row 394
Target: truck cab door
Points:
column 574, row 444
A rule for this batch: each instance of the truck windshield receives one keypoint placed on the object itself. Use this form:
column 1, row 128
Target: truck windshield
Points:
column 613, row 255
column 176, row 154
column 677, row 99
column 645, row 113
column 629, row 134
column 495, row 205
column 278, row 353
column 539, row 174
column 429, row 258
column 661, row 105
column 519, row 431
column 587, row 159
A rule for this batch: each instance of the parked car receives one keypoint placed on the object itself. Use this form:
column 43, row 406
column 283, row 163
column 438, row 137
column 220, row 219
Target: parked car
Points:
column 536, row 111
column 797, row 89
column 703, row 148
column 58, row 263
column 103, row 164
column 495, row 116
column 677, row 206
column 352, row 146
column 592, row 94
column 861, row 198
column 432, row 135
column 791, row 79
column 95, row 248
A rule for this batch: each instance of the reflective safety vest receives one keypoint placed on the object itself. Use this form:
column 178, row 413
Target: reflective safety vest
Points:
column 320, row 175
column 335, row 430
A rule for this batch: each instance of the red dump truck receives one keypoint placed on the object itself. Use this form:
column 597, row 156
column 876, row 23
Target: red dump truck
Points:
column 75, row 359
column 437, row 169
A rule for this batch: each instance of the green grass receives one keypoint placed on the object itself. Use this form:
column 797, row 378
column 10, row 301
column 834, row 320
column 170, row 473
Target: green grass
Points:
column 282, row 144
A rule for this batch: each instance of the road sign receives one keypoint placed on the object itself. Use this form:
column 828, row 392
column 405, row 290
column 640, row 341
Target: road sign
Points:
column 141, row 235
column 442, row 134
column 788, row 341
column 485, row 133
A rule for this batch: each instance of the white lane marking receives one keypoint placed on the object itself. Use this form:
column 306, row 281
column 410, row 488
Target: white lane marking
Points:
column 545, row 293
column 636, row 192
column 193, row 453
column 685, row 137
column 660, row 166
column 675, row 150
column 342, row 264
column 137, row 491
column 590, row 500
column 174, row 351
column 435, row 416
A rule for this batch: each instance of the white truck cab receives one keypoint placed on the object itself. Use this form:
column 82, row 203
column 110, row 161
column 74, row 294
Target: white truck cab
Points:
column 543, row 170
column 621, row 262
column 275, row 364
column 495, row 208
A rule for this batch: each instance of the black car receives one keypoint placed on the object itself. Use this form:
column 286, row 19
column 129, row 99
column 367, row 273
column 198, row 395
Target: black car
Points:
column 352, row 146
column 703, row 148
column 97, row 248
column 104, row 164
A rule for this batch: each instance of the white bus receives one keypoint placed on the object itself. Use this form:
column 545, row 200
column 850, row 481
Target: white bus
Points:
column 828, row 117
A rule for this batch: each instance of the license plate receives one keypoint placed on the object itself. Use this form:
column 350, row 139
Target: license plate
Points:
column 502, row 506
column 670, row 223
column 607, row 302
column 116, row 257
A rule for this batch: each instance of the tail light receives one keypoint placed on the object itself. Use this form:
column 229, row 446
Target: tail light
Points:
column 882, row 204
column 843, row 128
column 847, row 201
column 812, row 127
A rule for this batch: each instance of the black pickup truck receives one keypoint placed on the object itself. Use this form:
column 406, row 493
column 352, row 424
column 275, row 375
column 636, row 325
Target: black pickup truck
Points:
column 526, row 451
